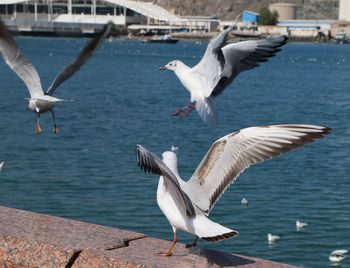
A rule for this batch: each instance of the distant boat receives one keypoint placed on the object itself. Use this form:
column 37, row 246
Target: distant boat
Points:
column 167, row 39
column 341, row 38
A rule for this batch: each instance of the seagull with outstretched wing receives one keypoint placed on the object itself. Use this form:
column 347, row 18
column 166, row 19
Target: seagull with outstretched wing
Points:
column 187, row 204
column 220, row 64
column 40, row 102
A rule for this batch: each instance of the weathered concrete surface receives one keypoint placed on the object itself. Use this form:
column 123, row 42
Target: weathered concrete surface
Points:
column 142, row 253
column 30, row 239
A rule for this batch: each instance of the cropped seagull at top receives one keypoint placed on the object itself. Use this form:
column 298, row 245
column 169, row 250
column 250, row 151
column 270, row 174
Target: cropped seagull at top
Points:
column 186, row 204
column 40, row 102
column 220, row 64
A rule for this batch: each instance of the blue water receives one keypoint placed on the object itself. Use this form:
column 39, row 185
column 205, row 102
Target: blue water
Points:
column 88, row 172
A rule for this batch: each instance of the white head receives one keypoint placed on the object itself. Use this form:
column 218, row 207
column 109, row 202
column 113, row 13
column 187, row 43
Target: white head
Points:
column 170, row 159
column 172, row 66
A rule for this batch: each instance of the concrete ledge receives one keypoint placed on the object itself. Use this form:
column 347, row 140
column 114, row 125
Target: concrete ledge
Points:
column 30, row 239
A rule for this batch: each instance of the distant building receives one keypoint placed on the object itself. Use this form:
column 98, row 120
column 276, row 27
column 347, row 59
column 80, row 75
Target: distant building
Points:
column 344, row 10
column 87, row 15
column 300, row 28
column 250, row 17
column 285, row 11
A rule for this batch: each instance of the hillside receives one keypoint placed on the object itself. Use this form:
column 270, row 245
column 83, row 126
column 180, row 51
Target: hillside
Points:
column 228, row 9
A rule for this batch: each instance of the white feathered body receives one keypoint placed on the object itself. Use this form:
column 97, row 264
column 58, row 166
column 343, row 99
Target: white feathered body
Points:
column 169, row 201
column 191, row 81
column 42, row 103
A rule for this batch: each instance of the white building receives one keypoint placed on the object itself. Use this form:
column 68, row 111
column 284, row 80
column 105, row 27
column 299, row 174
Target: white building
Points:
column 344, row 10
column 88, row 13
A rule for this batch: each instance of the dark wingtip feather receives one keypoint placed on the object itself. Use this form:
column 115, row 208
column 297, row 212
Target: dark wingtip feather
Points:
column 146, row 161
column 221, row 237
column 327, row 130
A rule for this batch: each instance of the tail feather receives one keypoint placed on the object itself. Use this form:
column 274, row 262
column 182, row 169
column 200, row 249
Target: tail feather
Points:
column 207, row 111
column 221, row 237
column 212, row 231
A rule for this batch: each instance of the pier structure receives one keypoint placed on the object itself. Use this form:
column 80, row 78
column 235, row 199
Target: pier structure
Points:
column 90, row 15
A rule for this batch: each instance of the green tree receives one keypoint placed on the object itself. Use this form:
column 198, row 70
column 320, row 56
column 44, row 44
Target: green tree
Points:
column 267, row 17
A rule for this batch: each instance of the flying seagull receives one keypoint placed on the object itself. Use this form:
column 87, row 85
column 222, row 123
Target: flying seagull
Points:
column 40, row 102
column 186, row 204
column 220, row 64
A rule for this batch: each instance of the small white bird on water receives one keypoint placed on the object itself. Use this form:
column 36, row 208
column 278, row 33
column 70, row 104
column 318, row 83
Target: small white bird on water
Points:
column 272, row 238
column 221, row 63
column 338, row 255
column 40, row 102
column 186, row 204
column 174, row 148
column 244, row 201
column 1, row 165
column 300, row 225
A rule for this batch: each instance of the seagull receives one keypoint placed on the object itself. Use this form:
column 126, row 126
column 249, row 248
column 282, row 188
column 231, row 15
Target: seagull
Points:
column 272, row 238
column 220, row 64
column 40, row 102
column 1, row 165
column 300, row 225
column 187, row 204
column 174, row 148
column 244, row 201
column 338, row 255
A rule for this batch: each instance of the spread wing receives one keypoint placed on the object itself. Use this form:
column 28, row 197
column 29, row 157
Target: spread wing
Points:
column 232, row 154
column 223, row 61
column 151, row 163
column 81, row 59
column 19, row 63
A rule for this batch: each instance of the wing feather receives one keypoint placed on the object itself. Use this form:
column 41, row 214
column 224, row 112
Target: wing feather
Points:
column 83, row 57
column 223, row 61
column 151, row 163
column 19, row 63
column 232, row 154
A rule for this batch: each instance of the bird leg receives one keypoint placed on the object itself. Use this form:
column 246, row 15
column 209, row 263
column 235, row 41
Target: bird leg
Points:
column 38, row 128
column 184, row 111
column 55, row 129
column 193, row 244
column 171, row 248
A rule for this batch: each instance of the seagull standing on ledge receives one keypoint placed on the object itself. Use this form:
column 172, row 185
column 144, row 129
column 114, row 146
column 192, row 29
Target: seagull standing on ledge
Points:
column 40, row 102
column 187, row 204
column 219, row 66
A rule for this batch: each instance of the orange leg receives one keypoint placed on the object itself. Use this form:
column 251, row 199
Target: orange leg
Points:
column 171, row 248
column 38, row 128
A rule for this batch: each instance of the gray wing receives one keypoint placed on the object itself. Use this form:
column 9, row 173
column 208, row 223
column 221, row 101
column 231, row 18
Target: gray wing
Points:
column 81, row 59
column 212, row 63
column 151, row 163
column 232, row 154
column 224, row 61
column 19, row 63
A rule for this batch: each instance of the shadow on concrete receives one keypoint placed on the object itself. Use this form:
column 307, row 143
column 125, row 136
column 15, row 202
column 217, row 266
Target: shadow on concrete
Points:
column 221, row 259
